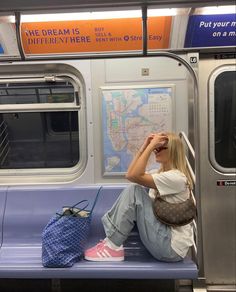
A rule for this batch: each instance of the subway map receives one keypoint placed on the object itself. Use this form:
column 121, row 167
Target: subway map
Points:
column 129, row 116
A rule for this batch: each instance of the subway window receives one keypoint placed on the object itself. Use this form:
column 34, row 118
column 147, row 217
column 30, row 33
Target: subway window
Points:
column 223, row 118
column 23, row 93
column 39, row 124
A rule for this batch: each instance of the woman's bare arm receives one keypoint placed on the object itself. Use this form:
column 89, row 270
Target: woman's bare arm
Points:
column 136, row 173
column 139, row 153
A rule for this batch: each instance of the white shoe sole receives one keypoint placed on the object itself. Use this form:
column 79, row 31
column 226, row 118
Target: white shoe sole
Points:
column 117, row 259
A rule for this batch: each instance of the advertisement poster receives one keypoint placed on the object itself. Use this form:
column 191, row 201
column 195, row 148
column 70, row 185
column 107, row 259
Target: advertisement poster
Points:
column 211, row 30
column 91, row 36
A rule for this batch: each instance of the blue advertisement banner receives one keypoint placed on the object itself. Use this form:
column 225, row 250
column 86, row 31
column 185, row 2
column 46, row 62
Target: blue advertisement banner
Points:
column 1, row 50
column 211, row 31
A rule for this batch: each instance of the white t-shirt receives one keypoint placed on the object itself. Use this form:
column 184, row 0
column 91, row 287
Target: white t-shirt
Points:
column 173, row 185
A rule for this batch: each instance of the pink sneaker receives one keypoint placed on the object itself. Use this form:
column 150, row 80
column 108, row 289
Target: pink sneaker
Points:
column 103, row 253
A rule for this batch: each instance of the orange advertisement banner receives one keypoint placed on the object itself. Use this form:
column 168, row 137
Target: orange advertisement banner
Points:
column 91, row 36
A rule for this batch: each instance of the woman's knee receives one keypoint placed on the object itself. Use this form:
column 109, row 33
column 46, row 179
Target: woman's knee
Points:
column 135, row 187
column 135, row 191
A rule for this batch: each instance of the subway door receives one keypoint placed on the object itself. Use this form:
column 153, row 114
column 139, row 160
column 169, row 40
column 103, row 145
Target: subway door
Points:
column 217, row 129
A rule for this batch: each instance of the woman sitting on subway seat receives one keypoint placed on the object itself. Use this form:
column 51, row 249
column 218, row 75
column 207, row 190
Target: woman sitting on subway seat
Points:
column 134, row 205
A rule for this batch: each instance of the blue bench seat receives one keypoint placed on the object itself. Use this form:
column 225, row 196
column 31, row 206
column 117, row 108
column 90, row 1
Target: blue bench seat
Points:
column 28, row 210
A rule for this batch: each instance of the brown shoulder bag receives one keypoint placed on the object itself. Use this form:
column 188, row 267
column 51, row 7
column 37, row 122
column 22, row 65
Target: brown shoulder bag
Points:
column 174, row 214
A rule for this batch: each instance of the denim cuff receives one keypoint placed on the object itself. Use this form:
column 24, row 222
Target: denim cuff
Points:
column 112, row 232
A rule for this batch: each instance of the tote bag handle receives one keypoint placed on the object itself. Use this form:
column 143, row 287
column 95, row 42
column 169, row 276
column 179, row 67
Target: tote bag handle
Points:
column 95, row 201
column 86, row 205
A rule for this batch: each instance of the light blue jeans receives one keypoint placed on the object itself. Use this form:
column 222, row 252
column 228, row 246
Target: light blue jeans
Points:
column 134, row 205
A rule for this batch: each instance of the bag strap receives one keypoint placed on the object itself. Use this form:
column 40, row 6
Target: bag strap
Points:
column 82, row 201
column 95, row 201
column 86, row 205
column 191, row 197
column 82, row 209
column 71, row 208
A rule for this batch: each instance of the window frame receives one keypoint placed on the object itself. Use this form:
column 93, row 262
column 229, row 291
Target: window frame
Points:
column 41, row 106
column 49, row 175
column 211, row 113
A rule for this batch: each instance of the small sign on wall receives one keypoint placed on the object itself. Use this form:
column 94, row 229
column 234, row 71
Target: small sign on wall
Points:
column 226, row 183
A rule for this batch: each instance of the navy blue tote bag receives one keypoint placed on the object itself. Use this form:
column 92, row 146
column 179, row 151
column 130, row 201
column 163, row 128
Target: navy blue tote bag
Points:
column 65, row 235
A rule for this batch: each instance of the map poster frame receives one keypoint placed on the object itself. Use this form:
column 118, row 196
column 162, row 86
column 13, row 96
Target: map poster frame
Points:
column 128, row 111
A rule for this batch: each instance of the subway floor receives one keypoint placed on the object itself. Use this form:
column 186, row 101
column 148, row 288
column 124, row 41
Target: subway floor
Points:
column 86, row 285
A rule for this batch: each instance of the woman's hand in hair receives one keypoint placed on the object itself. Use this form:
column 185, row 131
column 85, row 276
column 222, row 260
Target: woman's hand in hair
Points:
column 147, row 142
column 159, row 140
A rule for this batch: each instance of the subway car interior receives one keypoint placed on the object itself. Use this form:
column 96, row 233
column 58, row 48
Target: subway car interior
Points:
column 82, row 83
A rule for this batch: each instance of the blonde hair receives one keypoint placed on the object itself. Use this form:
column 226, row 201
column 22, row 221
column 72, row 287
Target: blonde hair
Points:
column 177, row 156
